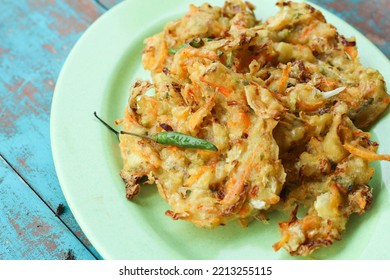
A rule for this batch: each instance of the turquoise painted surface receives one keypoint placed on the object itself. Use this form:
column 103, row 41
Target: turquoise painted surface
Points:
column 28, row 229
column 35, row 39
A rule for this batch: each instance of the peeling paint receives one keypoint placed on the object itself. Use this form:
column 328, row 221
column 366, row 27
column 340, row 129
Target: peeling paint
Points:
column 4, row 51
column 339, row 6
column 49, row 242
column 38, row 227
column 82, row 236
column 23, row 163
column 88, row 9
column 15, row 225
column 50, row 83
column 66, row 25
column 7, row 119
column 29, row 90
column 376, row 39
column 50, row 48
column 16, row 85
column 37, row 4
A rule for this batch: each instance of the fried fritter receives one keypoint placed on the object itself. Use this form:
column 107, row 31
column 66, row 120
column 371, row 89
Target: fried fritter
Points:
column 284, row 101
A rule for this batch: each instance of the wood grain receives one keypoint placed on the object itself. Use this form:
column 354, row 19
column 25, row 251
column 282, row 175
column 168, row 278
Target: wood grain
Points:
column 34, row 44
column 28, row 229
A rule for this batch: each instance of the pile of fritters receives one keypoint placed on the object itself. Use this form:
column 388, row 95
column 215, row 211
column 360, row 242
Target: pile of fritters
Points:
column 284, row 101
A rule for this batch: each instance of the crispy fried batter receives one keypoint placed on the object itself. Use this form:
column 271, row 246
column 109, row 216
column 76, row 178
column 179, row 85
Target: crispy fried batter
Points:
column 283, row 100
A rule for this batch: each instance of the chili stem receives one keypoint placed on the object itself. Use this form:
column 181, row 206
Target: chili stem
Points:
column 122, row 132
column 106, row 124
column 139, row 135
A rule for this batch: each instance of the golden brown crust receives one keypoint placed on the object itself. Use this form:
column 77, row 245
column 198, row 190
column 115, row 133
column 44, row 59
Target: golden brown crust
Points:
column 283, row 100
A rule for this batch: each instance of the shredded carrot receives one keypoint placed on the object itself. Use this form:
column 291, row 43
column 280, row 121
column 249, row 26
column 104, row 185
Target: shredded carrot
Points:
column 205, row 153
column 193, row 9
column 310, row 222
column 310, row 107
column 191, row 52
column 361, row 202
column 162, row 56
column 364, row 153
column 172, row 149
column 235, row 186
column 147, row 155
column 245, row 119
column 190, row 181
column 155, row 58
column 272, row 200
column 306, row 31
column 351, row 51
column 283, row 81
column 244, row 211
column 354, row 104
column 118, row 122
column 150, row 99
column 285, row 236
column 359, row 133
column 222, row 89
column 197, row 118
column 328, row 83
column 335, row 199
column 193, row 92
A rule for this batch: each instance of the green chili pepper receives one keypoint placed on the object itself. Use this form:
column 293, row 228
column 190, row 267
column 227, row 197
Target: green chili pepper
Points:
column 174, row 51
column 183, row 140
column 170, row 138
column 197, row 43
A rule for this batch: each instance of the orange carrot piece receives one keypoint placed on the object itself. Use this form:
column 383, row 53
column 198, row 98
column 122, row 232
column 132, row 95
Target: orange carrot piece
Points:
column 364, row 153
column 190, row 181
column 224, row 90
column 283, row 82
column 351, row 51
column 245, row 119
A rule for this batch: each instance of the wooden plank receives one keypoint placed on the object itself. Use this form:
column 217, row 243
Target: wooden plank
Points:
column 28, row 229
column 108, row 4
column 32, row 51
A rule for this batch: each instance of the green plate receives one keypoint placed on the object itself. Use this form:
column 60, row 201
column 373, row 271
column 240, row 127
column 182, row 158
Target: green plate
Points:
column 96, row 77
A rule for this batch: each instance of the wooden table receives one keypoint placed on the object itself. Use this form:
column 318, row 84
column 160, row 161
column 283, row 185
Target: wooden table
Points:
column 35, row 38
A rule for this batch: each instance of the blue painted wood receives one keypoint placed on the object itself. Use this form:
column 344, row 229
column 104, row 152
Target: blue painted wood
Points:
column 36, row 37
column 108, row 4
column 28, row 229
